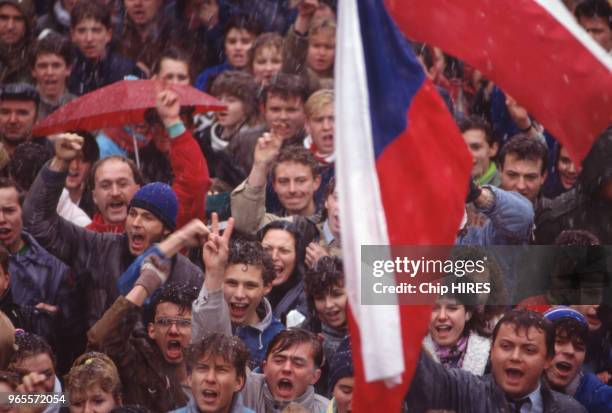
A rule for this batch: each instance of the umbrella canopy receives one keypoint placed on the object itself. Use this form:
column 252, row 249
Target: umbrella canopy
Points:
column 121, row 103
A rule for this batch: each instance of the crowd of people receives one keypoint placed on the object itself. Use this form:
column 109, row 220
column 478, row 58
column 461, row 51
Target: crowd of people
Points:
column 193, row 263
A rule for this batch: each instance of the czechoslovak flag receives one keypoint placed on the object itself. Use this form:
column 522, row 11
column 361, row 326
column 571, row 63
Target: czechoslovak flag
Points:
column 402, row 170
column 402, row 167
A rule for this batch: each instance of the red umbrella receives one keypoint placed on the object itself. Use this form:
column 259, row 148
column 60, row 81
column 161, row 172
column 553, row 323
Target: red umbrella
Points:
column 121, row 103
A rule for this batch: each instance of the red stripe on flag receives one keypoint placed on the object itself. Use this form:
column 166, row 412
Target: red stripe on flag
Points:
column 528, row 53
column 423, row 179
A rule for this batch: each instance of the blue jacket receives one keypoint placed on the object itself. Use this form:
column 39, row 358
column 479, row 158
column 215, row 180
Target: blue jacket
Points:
column 510, row 221
column 203, row 79
column 593, row 394
column 257, row 337
column 36, row 275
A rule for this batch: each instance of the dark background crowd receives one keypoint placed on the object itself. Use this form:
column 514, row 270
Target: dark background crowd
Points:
column 192, row 262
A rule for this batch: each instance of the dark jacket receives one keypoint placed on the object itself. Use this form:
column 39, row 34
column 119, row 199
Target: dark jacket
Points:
column 436, row 387
column 582, row 207
column 593, row 394
column 101, row 257
column 89, row 75
column 147, row 379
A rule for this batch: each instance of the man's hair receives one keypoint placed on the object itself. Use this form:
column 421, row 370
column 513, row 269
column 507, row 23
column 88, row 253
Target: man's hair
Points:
column 29, row 345
column 297, row 154
column 286, row 86
column 88, row 9
column 571, row 329
column 7, row 183
column 181, row 294
column 55, row 44
column 91, row 369
column 522, row 319
column 244, row 22
column 524, row 148
column 230, row 348
column 273, row 40
column 477, row 123
column 91, row 150
column 295, row 336
column 592, row 9
column 20, row 91
column 322, row 25
column 240, row 85
column 27, row 160
column 317, row 101
column 173, row 52
column 135, row 171
column 326, row 274
column 252, row 253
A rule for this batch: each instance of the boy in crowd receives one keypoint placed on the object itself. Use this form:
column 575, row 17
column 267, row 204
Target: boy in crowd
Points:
column 293, row 359
column 478, row 137
column 18, row 109
column 522, row 349
column 51, row 65
column 237, row 286
column 217, row 368
column 565, row 371
column 34, row 355
column 96, row 65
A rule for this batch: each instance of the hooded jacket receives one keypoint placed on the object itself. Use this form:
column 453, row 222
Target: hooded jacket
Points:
column 582, row 207
column 210, row 313
column 14, row 59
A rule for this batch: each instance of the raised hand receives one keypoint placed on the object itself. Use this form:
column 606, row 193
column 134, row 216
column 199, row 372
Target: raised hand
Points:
column 67, row 147
column 168, row 107
column 215, row 253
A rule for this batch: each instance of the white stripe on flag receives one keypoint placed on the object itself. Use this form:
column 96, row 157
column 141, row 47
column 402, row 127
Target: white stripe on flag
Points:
column 362, row 216
column 563, row 16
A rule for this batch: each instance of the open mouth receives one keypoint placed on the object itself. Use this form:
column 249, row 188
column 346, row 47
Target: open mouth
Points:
column 285, row 387
column 5, row 233
column 514, row 375
column 137, row 241
column 116, row 205
column 443, row 329
column 563, row 367
column 174, row 349
column 210, row 396
column 238, row 310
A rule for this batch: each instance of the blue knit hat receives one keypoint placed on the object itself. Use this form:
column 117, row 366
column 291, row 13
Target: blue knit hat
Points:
column 160, row 200
column 562, row 311
column 341, row 364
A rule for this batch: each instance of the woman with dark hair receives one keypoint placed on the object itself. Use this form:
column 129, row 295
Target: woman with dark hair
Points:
column 286, row 242
column 453, row 340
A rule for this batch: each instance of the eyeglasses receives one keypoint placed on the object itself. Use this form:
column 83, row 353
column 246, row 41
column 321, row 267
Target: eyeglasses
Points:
column 166, row 322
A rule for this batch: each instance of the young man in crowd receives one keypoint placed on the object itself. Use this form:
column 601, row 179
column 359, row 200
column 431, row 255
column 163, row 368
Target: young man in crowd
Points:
column 522, row 349
column 319, row 111
column 293, row 359
column 523, row 161
column 37, row 277
column 217, row 367
column 96, row 65
column 283, row 110
column 236, row 284
column 478, row 137
column 51, row 65
column 151, row 216
column 565, row 372
column 595, row 16
column 152, row 368
column 34, row 356
column 17, row 24
column 18, row 108
column 295, row 179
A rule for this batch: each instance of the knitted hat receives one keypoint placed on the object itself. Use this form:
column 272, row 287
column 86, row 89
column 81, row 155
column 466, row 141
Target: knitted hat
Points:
column 562, row 311
column 160, row 200
column 341, row 364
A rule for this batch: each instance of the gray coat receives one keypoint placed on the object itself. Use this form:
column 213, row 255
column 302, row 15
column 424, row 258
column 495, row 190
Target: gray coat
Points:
column 100, row 257
column 436, row 387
